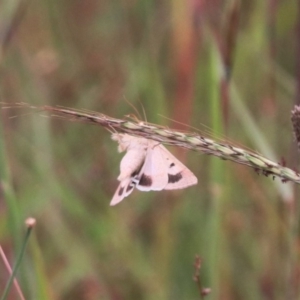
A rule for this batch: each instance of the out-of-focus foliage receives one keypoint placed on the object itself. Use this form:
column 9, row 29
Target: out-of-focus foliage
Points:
column 231, row 66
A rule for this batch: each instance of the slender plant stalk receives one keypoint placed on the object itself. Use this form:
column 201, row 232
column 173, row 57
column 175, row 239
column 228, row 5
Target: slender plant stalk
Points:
column 188, row 140
column 203, row 292
column 29, row 223
column 8, row 267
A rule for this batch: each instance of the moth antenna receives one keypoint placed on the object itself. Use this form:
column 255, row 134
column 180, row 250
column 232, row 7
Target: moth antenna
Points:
column 132, row 106
column 133, row 117
column 144, row 112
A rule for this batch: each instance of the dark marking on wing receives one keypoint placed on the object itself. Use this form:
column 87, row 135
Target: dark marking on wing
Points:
column 120, row 192
column 145, row 180
column 172, row 165
column 129, row 188
column 174, row 178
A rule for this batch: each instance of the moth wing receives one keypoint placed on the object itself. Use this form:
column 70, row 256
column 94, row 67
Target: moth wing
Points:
column 124, row 189
column 154, row 173
column 179, row 176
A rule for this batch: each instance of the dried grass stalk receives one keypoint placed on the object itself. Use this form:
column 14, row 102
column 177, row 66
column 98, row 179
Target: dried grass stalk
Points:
column 188, row 140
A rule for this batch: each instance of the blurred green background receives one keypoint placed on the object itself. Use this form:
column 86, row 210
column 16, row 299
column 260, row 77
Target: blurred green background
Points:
column 230, row 66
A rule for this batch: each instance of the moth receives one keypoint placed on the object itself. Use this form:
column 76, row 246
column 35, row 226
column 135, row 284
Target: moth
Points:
column 148, row 166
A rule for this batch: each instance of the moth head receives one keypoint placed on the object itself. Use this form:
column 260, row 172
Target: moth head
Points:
column 123, row 140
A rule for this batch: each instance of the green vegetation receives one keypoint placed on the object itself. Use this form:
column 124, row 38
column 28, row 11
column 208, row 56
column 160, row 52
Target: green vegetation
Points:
column 231, row 66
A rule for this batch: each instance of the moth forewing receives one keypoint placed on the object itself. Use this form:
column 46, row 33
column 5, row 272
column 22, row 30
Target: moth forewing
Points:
column 179, row 176
column 124, row 189
column 154, row 173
